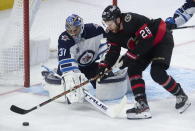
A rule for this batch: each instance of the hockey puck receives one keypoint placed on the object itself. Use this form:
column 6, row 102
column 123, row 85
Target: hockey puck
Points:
column 25, row 123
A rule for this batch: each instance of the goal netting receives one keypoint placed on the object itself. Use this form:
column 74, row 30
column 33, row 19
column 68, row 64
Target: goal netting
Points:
column 12, row 56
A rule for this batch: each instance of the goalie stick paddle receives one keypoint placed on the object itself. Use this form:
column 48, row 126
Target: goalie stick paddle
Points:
column 112, row 112
column 19, row 110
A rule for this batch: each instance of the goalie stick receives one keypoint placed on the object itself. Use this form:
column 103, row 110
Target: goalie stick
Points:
column 19, row 110
column 184, row 27
column 112, row 112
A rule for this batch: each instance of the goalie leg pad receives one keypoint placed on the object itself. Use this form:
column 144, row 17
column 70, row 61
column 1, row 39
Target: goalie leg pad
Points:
column 113, row 87
column 54, row 86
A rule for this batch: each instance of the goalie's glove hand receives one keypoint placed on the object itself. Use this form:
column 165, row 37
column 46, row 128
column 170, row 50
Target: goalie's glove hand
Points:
column 127, row 59
column 102, row 67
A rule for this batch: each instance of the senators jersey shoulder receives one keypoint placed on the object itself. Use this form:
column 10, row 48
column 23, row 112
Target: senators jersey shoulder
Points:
column 132, row 23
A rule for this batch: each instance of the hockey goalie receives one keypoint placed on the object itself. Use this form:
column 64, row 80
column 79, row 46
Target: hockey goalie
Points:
column 80, row 47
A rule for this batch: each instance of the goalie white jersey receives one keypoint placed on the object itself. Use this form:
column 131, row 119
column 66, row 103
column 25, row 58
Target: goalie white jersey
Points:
column 72, row 54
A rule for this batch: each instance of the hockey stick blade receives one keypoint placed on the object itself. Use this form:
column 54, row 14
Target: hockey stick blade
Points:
column 20, row 110
column 116, row 110
column 184, row 27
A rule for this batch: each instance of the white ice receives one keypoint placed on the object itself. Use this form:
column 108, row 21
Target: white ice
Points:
column 49, row 22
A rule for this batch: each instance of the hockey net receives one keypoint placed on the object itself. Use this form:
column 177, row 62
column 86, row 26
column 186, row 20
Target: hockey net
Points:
column 12, row 56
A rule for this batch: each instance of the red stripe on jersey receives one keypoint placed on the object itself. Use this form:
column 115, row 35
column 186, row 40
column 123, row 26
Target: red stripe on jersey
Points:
column 131, row 55
column 160, row 33
column 103, row 65
column 113, row 44
column 137, row 86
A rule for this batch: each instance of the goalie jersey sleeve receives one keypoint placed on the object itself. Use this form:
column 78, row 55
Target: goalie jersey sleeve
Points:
column 184, row 13
column 71, row 55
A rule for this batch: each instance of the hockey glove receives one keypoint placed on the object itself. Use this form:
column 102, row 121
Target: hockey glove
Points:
column 102, row 67
column 170, row 23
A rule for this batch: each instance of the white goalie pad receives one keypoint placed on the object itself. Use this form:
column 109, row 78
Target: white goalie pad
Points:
column 114, row 86
column 53, row 85
column 72, row 79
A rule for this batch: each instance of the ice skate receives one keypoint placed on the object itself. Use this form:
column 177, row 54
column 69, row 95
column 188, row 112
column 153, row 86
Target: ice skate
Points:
column 182, row 102
column 140, row 111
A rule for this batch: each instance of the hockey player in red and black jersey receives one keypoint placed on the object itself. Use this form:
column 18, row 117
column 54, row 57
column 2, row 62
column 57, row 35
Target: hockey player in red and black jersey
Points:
column 148, row 42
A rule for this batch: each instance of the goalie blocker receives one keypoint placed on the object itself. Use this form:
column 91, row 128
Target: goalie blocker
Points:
column 113, row 86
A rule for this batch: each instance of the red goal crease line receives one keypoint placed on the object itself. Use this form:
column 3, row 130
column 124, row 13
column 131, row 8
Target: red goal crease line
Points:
column 12, row 91
column 185, row 43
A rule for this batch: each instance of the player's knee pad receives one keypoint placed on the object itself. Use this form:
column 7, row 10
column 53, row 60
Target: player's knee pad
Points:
column 158, row 73
column 114, row 86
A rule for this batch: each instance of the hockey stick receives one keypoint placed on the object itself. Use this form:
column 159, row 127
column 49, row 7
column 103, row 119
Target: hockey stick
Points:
column 183, row 27
column 23, row 111
column 111, row 112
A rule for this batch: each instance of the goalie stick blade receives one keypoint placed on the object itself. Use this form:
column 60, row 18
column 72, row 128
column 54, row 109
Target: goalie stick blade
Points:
column 115, row 111
column 18, row 110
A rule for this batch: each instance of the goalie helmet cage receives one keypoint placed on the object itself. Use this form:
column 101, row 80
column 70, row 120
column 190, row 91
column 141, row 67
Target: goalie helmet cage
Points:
column 15, row 52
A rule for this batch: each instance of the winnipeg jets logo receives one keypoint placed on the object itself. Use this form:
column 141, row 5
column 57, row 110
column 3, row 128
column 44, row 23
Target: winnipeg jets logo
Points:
column 86, row 57
column 127, row 18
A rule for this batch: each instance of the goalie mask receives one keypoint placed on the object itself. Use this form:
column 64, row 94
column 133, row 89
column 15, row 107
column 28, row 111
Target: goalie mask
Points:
column 113, row 86
column 74, row 26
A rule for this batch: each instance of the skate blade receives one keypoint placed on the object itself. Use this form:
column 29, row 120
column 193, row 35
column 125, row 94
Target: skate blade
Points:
column 185, row 107
column 143, row 115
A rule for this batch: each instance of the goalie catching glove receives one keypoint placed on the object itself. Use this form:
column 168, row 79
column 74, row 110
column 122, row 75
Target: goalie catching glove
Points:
column 55, row 85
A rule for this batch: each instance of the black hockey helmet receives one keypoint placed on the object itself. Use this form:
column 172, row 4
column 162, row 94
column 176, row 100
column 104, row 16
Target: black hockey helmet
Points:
column 111, row 12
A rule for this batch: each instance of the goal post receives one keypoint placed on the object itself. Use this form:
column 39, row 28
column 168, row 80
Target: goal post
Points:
column 26, row 43
column 114, row 2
